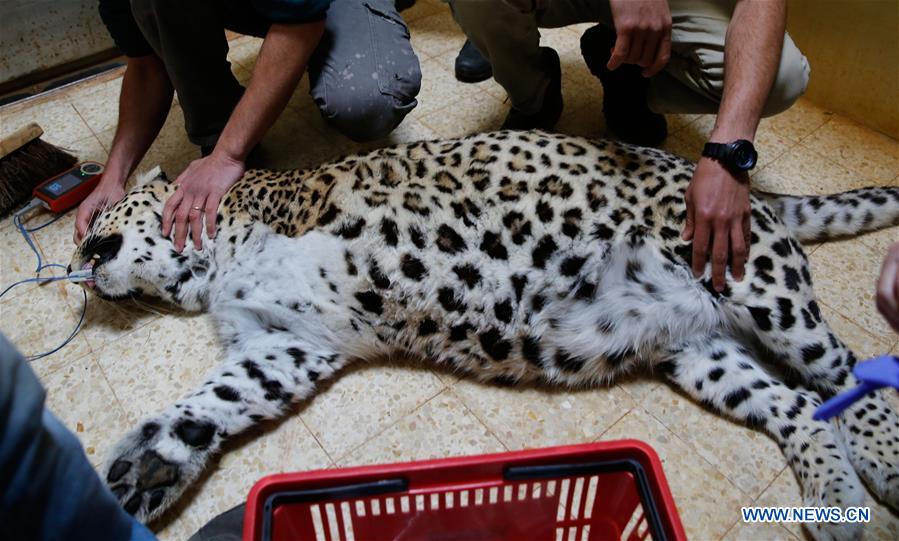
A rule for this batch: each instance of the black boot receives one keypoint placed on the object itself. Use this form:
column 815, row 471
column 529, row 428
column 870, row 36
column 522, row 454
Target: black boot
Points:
column 551, row 110
column 624, row 99
column 471, row 65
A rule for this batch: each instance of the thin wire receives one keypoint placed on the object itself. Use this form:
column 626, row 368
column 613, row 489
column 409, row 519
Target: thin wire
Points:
column 43, row 225
column 44, row 279
column 17, row 220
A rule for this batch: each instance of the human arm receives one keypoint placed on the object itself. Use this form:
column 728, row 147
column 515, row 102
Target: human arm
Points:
column 144, row 103
column 888, row 287
column 718, row 208
column 43, row 467
column 279, row 67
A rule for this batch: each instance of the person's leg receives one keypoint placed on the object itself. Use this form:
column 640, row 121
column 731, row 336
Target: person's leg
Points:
column 693, row 81
column 506, row 33
column 509, row 39
column 364, row 75
column 189, row 37
column 50, row 491
column 625, row 91
column 471, row 66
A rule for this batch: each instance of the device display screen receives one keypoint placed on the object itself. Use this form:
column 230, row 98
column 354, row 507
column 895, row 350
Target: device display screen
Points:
column 63, row 184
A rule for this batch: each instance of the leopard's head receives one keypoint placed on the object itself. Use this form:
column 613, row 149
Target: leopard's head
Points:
column 128, row 256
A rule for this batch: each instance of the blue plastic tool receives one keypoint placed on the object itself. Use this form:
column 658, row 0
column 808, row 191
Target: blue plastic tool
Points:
column 878, row 372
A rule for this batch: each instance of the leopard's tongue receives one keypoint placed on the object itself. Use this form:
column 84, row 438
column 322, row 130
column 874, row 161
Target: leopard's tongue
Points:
column 89, row 282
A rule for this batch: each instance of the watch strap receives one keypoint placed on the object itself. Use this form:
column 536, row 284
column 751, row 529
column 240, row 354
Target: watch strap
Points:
column 717, row 151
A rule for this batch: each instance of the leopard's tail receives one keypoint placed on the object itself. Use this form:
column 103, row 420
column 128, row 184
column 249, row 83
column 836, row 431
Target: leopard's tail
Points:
column 816, row 218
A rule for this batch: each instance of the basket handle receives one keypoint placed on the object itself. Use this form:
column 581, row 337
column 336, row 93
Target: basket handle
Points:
column 339, row 492
column 543, row 471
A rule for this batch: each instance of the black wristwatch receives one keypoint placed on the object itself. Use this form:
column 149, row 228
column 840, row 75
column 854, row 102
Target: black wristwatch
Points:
column 737, row 156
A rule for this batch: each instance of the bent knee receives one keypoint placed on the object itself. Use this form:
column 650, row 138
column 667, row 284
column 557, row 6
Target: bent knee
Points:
column 368, row 119
column 791, row 80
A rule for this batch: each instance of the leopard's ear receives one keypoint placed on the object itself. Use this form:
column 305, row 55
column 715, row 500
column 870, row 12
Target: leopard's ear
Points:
column 153, row 174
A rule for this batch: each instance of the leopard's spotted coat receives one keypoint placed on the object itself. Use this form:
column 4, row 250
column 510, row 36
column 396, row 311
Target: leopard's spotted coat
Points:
column 508, row 256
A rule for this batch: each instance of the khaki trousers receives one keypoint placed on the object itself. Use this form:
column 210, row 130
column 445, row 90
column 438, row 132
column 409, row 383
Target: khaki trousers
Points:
column 507, row 33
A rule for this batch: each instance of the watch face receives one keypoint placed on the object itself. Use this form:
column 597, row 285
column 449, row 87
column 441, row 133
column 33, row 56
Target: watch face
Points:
column 744, row 155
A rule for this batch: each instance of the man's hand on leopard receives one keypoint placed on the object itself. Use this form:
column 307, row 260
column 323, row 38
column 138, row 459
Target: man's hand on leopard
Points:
column 200, row 189
column 643, row 31
column 718, row 220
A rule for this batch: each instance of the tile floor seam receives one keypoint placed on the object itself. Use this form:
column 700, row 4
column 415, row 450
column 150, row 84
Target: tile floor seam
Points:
column 115, row 395
column 434, row 373
column 801, row 138
column 388, row 426
column 314, row 437
column 623, row 415
column 446, row 105
column 827, row 159
column 423, row 120
column 692, row 447
column 785, row 468
column 783, row 152
column 61, row 365
column 789, row 534
column 851, row 320
column 895, row 344
column 86, row 123
column 812, row 132
column 479, row 420
column 129, row 332
column 865, row 239
column 647, row 378
column 810, row 250
column 611, row 426
column 78, row 317
column 728, row 530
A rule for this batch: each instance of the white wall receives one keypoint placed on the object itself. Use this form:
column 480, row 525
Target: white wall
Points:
column 853, row 49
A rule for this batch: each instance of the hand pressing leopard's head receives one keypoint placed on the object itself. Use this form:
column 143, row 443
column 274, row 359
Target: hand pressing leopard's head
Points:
column 128, row 256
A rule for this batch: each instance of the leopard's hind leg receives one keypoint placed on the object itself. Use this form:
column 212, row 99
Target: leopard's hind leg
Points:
column 776, row 305
column 723, row 375
column 869, row 427
column 151, row 466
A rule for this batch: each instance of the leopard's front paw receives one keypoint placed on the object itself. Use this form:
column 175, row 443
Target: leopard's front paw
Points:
column 151, row 467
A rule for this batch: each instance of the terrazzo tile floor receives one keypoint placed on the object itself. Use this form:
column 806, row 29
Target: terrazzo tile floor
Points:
column 129, row 361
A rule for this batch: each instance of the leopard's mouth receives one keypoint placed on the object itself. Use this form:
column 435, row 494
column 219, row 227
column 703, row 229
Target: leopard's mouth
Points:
column 90, row 282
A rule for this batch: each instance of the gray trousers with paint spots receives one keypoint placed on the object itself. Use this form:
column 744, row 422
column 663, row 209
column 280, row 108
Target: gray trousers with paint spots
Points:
column 363, row 76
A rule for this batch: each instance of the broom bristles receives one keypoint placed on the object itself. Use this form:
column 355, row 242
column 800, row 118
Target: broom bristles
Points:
column 25, row 168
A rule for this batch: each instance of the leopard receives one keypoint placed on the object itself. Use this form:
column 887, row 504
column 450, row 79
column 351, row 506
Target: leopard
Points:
column 511, row 257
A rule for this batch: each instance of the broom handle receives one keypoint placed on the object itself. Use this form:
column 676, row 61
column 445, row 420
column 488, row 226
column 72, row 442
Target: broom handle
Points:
column 19, row 138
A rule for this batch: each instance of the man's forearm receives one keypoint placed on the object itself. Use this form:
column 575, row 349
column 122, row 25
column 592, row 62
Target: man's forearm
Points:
column 279, row 68
column 144, row 104
column 752, row 53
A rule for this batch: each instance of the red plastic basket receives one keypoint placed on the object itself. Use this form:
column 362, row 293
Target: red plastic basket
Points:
column 597, row 491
